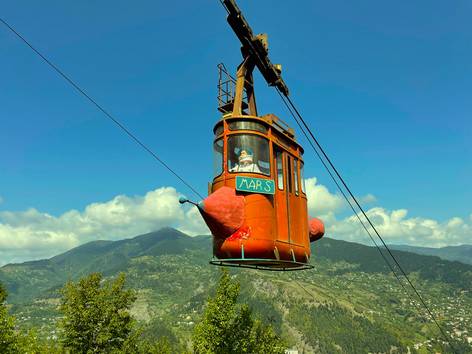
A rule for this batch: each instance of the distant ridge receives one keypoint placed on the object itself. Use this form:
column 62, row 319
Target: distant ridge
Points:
column 462, row 253
column 27, row 280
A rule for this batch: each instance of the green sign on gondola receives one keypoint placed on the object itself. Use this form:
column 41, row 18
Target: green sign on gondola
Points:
column 255, row 185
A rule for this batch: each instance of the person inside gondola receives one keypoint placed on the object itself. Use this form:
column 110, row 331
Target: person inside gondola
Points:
column 246, row 163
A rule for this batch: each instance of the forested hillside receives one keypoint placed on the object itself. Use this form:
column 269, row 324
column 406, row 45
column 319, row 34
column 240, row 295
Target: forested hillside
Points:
column 348, row 303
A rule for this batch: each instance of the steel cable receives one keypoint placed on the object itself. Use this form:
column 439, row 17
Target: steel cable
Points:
column 100, row 107
column 341, row 179
column 348, row 201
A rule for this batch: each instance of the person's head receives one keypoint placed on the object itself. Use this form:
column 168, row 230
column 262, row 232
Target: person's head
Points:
column 245, row 158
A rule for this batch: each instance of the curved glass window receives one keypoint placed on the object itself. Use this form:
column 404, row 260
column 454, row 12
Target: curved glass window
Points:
column 302, row 180
column 219, row 130
column 248, row 153
column 289, row 174
column 280, row 168
column 247, row 125
column 218, row 157
column 295, row 175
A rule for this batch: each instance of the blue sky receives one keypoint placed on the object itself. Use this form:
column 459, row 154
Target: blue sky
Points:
column 384, row 85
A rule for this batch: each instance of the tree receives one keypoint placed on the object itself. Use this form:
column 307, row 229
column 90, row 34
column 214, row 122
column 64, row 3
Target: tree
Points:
column 227, row 327
column 8, row 336
column 12, row 340
column 145, row 346
column 96, row 316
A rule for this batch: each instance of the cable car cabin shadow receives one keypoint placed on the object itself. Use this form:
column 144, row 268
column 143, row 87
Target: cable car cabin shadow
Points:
column 257, row 204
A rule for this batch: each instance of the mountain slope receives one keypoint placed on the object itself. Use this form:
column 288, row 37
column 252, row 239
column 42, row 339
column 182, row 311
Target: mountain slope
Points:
column 368, row 259
column 462, row 253
column 27, row 280
column 314, row 310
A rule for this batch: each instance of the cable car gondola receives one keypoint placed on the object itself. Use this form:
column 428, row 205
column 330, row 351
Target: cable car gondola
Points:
column 257, row 204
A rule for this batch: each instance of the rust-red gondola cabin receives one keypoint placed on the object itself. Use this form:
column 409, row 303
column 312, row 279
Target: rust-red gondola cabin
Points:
column 257, row 207
column 257, row 204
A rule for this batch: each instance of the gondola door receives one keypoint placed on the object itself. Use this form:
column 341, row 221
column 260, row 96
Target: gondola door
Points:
column 290, row 196
column 283, row 230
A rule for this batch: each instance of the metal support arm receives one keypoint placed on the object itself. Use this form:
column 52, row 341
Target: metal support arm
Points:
column 254, row 47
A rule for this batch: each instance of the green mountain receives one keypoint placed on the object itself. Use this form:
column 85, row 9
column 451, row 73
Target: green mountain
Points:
column 27, row 281
column 462, row 253
column 349, row 303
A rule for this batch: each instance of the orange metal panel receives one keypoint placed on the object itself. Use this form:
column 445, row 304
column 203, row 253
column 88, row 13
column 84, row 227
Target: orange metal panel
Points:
column 275, row 226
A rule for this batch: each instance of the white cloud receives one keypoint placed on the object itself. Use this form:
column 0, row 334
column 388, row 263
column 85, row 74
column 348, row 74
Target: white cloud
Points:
column 368, row 199
column 32, row 234
column 394, row 226
column 323, row 203
column 193, row 223
column 320, row 201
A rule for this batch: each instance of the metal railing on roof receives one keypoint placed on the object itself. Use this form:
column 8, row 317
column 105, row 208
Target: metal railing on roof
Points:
column 226, row 90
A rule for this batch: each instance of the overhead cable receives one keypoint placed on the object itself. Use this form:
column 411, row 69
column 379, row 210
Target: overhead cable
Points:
column 392, row 269
column 384, row 257
column 322, row 155
column 100, row 107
